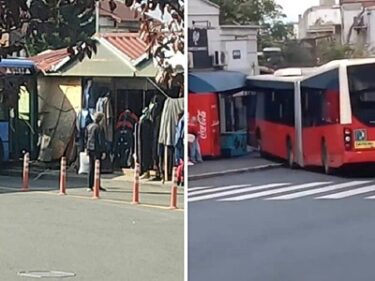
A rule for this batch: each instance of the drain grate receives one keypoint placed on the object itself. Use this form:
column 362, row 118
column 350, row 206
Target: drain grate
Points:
column 46, row 274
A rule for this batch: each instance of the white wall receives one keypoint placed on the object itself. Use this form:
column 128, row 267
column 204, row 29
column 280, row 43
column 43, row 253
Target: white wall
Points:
column 202, row 11
column 226, row 38
column 243, row 39
column 328, row 16
column 349, row 11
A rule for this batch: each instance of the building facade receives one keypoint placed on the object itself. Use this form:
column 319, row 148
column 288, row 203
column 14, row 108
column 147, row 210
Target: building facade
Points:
column 351, row 22
column 226, row 47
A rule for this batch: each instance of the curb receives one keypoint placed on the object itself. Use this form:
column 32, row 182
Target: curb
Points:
column 55, row 176
column 234, row 171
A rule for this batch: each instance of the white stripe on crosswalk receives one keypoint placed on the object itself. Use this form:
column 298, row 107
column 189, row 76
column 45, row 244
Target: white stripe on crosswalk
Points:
column 274, row 191
column 220, row 188
column 237, row 191
column 349, row 193
column 318, row 190
column 199, row 188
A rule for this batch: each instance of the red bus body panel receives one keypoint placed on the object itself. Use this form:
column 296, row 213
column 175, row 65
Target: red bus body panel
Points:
column 274, row 137
column 205, row 107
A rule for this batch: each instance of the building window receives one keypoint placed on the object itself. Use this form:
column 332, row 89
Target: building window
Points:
column 236, row 54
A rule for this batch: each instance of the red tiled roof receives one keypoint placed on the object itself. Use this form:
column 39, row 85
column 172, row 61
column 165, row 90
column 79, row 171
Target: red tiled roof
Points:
column 47, row 60
column 121, row 13
column 128, row 43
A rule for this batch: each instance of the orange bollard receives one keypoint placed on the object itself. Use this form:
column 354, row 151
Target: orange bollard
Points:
column 26, row 172
column 136, row 184
column 63, row 176
column 173, row 204
column 97, row 180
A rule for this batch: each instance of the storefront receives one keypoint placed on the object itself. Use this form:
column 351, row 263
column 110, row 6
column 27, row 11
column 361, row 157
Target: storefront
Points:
column 216, row 99
column 118, row 81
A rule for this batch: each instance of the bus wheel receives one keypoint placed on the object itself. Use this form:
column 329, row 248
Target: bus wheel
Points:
column 325, row 160
column 290, row 154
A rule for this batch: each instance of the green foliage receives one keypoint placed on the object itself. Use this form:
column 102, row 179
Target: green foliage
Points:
column 248, row 11
column 297, row 55
column 330, row 50
column 65, row 25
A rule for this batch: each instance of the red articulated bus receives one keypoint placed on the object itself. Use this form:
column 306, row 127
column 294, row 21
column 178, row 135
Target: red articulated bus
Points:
column 323, row 116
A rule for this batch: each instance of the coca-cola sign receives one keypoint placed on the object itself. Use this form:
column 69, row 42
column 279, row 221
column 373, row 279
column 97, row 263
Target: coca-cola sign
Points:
column 202, row 120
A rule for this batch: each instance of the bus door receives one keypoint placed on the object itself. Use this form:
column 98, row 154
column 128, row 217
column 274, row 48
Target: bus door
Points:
column 320, row 117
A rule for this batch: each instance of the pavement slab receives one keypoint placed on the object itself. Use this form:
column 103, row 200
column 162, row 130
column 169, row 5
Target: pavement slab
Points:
column 117, row 190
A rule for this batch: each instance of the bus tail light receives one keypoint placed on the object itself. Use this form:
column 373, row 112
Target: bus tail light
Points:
column 348, row 138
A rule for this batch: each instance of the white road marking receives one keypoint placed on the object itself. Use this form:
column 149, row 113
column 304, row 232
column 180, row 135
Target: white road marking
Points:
column 220, row 188
column 349, row 193
column 318, row 190
column 274, row 191
column 199, row 188
column 237, row 191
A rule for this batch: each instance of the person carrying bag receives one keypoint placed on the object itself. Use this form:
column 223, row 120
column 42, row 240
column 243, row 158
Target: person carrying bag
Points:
column 95, row 147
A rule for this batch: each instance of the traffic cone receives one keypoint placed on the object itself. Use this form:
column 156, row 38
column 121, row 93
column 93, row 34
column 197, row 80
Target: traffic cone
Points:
column 63, row 176
column 96, row 180
column 136, row 184
column 173, row 203
column 26, row 172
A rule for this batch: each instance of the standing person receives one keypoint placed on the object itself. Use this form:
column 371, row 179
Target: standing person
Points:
column 179, row 139
column 195, row 151
column 95, row 146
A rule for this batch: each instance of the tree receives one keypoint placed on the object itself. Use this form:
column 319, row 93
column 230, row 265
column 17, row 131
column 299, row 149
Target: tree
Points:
column 69, row 23
column 165, row 38
column 329, row 50
column 297, row 55
column 249, row 11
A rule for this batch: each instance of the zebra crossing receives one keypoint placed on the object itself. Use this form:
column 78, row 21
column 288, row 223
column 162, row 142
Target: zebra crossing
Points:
column 281, row 191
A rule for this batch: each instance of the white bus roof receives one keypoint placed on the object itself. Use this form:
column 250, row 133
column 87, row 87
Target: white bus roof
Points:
column 298, row 74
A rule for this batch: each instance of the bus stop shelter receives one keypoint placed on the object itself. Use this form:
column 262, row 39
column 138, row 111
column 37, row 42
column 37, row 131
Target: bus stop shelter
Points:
column 18, row 109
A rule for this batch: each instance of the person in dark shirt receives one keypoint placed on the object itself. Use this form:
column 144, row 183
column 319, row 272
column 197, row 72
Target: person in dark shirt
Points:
column 95, row 146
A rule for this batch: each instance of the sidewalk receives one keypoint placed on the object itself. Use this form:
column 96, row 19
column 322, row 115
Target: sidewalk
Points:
column 117, row 190
column 225, row 166
column 37, row 172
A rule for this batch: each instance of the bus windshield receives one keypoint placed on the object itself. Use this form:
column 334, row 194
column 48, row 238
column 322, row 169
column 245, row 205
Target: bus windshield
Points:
column 362, row 92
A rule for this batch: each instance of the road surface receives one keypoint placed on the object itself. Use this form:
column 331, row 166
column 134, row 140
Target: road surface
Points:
column 94, row 239
column 282, row 224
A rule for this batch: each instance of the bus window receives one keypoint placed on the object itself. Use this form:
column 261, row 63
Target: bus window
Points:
column 362, row 92
column 331, row 107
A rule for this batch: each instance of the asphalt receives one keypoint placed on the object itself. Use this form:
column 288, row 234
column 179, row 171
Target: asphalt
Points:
column 94, row 239
column 269, row 240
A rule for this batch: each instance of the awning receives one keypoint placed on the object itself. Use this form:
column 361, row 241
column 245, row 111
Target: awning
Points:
column 216, row 82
